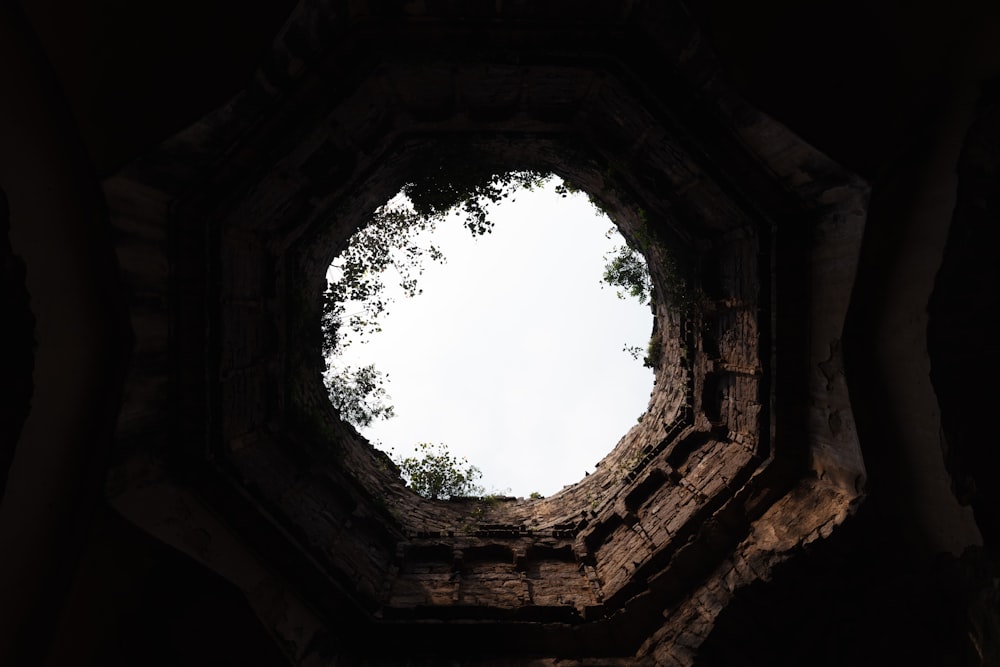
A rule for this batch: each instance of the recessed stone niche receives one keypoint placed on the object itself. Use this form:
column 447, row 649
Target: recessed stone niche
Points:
column 747, row 450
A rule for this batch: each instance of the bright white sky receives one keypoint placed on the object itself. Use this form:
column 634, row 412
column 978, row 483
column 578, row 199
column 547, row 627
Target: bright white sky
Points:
column 512, row 356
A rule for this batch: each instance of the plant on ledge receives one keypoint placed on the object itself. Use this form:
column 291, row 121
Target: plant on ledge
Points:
column 438, row 474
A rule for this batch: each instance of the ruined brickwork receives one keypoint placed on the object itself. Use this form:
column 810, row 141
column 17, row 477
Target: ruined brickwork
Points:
column 176, row 489
column 703, row 496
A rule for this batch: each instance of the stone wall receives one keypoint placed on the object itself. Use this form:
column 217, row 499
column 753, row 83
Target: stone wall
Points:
column 705, row 495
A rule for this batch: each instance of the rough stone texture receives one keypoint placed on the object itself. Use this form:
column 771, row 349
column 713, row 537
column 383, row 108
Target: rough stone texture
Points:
column 727, row 528
column 259, row 196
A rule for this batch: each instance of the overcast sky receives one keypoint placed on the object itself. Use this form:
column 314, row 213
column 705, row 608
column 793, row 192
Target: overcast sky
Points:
column 512, row 356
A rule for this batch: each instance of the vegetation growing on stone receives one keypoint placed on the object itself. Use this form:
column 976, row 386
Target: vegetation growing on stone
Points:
column 627, row 271
column 390, row 240
column 463, row 179
column 654, row 352
column 360, row 395
column 436, row 473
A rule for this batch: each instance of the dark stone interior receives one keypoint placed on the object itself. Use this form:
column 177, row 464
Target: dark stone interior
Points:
column 813, row 483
